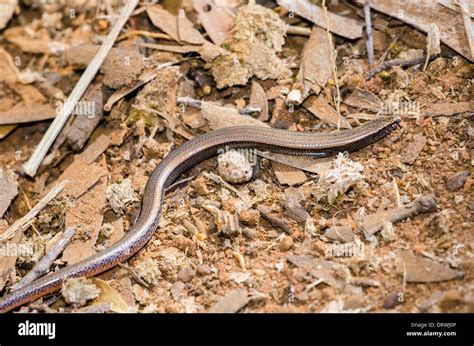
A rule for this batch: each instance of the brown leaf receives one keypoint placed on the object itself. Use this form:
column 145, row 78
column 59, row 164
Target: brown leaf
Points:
column 316, row 66
column 344, row 26
column 8, row 189
column 420, row 269
column 22, row 113
column 231, row 302
column 288, row 175
column 364, row 99
column 258, row 98
column 411, row 152
column 216, row 19
column 319, row 107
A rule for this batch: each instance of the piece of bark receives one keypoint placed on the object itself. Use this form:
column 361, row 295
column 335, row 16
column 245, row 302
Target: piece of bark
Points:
column 231, row 302
column 258, row 99
column 422, row 14
column 413, row 150
column 374, row 222
column 288, row 175
column 86, row 217
column 22, row 113
column 95, row 149
column 319, row 107
column 84, row 124
column 420, row 269
column 449, row 109
column 340, row 233
column 82, row 177
column 364, row 99
column 316, row 66
column 8, row 189
column 216, row 19
column 347, row 27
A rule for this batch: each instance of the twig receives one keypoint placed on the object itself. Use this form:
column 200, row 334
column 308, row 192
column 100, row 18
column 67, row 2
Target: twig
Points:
column 274, row 220
column 217, row 179
column 405, row 63
column 390, row 46
column 188, row 101
column 466, row 17
column 134, row 274
column 144, row 33
column 44, row 264
column 33, row 212
column 31, row 166
column 334, row 68
column 374, row 222
column 368, row 29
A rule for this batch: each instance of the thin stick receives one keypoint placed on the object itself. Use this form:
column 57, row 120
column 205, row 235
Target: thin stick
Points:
column 406, row 63
column 134, row 274
column 33, row 212
column 43, row 265
column 188, row 101
column 368, row 29
column 144, row 33
column 391, row 45
column 466, row 17
column 298, row 30
column 334, row 68
column 31, row 166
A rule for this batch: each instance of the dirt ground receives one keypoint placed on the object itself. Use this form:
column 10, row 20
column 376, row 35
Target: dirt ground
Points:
column 273, row 243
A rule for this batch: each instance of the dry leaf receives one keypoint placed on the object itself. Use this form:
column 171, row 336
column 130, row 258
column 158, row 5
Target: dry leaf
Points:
column 110, row 295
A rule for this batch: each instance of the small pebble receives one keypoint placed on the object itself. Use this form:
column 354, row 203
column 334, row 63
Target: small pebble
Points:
column 200, row 186
column 234, row 167
column 186, row 274
column 249, row 233
column 286, row 243
column 204, row 269
column 456, row 181
column 388, row 231
column 249, row 217
column 391, row 300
